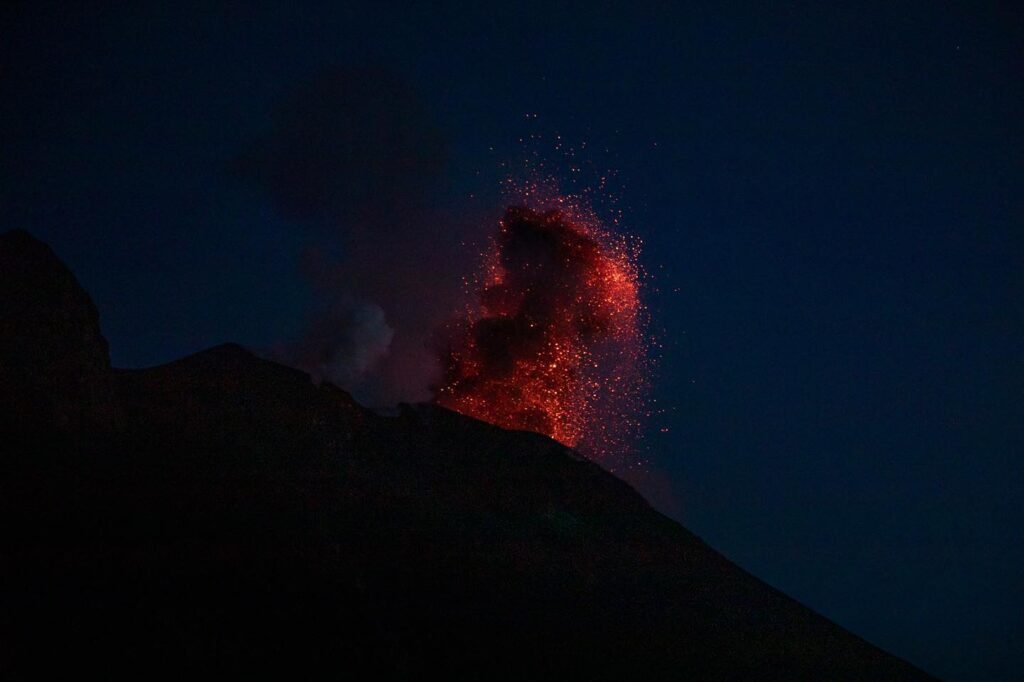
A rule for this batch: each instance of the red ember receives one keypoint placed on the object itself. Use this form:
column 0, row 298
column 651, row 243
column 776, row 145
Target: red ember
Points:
column 553, row 343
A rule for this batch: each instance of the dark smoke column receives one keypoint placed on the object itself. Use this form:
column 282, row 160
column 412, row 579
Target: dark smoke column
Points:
column 553, row 342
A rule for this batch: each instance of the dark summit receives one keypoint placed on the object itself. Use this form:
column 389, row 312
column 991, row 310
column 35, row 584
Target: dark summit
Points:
column 223, row 515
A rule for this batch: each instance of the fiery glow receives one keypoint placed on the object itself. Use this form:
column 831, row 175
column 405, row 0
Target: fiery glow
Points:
column 553, row 342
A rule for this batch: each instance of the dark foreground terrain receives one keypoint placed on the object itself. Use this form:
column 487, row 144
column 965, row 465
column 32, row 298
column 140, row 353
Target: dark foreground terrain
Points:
column 222, row 515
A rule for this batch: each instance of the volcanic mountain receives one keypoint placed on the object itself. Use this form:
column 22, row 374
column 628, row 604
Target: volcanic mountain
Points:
column 222, row 515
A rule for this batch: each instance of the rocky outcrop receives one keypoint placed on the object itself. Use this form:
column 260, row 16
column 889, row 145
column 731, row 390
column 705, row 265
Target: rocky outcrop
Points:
column 54, row 365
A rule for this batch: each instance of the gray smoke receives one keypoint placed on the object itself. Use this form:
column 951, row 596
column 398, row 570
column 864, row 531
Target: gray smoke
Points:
column 342, row 343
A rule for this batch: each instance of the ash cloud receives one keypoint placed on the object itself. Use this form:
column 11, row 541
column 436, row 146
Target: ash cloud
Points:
column 355, row 159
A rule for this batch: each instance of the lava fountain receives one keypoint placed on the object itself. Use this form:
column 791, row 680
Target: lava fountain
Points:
column 553, row 341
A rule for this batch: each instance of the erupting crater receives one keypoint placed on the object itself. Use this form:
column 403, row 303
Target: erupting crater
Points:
column 553, row 341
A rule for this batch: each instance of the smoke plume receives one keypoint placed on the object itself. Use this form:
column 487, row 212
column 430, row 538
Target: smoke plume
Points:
column 355, row 159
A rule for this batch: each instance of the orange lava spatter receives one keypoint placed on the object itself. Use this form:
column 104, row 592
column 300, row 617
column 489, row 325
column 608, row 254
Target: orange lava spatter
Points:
column 553, row 340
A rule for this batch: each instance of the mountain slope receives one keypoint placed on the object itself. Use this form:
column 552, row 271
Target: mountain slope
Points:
column 224, row 515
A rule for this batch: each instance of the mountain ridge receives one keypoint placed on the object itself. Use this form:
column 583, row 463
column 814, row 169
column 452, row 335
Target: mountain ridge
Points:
column 223, row 514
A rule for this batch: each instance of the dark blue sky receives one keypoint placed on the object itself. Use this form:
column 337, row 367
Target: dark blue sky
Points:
column 832, row 201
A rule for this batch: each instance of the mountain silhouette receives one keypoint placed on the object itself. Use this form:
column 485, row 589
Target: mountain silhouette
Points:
column 222, row 515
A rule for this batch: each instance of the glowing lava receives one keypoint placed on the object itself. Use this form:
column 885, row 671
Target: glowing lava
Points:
column 553, row 342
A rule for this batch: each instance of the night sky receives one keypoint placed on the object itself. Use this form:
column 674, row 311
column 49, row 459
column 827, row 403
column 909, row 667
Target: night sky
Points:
column 831, row 201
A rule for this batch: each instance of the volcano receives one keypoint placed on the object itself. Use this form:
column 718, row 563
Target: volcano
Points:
column 222, row 515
